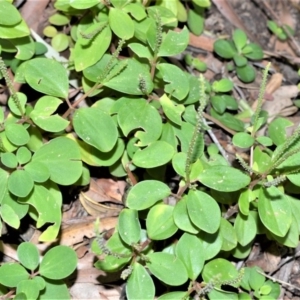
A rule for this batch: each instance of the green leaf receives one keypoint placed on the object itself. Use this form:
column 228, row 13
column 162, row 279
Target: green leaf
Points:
column 11, row 274
column 256, row 280
column 229, row 120
column 120, row 23
column 9, row 216
column 274, row 210
column 54, row 289
column 96, row 128
column 172, row 111
column 188, row 249
column 60, row 42
column 174, row 43
column 137, row 10
column 225, row 270
column 239, row 60
column 229, row 239
column 140, row 284
column 167, row 268
column 222, row 86
column 243, row 140
column 59, row 19
column 256, row 52
column 38, row 171
column 88, row 51
column 224, row 49
column 83, row 4
column 195, row 22
column 246, row 73
column 178, row 84
column 54, row 82
column 14, row 31
column 202, row 3
column 28, row 255
column 224, row 178
column 128, row 79
column 218, row 104
column 203, row 205
column 240, row 39
column 42, row 114
column 7, row 9
column 245, row 228
column 146, row 193
column 129, row 226
column 25, row 47
column 29, row 288
column 173, row 296
column 277, row 130
column 156, row 154
column 9, row 160
column 23, row 155
column 211, row 243
column 181, row 217
column 141, row 50
column 20, row 183
column 58, row 263
column 65, row 166
column 138, row 113
column 22, row 100
column 17, row 134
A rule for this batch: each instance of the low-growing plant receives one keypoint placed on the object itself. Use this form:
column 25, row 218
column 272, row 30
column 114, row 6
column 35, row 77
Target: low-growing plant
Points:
column 280, row 32
column 145, row 119
column 240, row 51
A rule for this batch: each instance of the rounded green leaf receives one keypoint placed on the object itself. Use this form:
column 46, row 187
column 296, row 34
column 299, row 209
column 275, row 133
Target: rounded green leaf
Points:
column 173, row 296
column 29, row 288
column 167, row 268
column 229, row 239
column 146, row 193
column 195, row 22
column 256, row 280
column 121, row 24
column 11, row 274
column 59, row 19
column 245, row 228
column 225, row 270
column 23, row 155
column 129, row 226
column 65, row 166
column 274, row 210
column 203, row 211
column 38, row 171
column 28, row 255
column 9, row 216
column 54, row 82
column 20, row 183
column 83, row 4
column 54, row 290
column 243, row 140
column 246, row 73
column 211, row 243
column 17, row 134
column 160, row 224
column 16, row 31
column 140, row 284
column 156, row 154
column 224, row 85
column 218, row 104
column 224, row 178
column 256, row 52
column 96, row 128
column 58, row 263
column 239, row 60
column 181, row 217
column 9, row 160
column 60, row 42
column 12, row 104
column 224, row 49
column 240, row 39
column 189, row 250
column 9, row 15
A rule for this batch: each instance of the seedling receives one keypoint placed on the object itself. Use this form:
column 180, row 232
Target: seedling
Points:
column 280, row 32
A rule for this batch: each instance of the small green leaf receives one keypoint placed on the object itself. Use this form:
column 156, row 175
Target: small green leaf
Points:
column 129, row 226
column 256, row 280
column 243, row 140
column 9, row 160
column 54, row 82
column 277, row 130
column 174, row 43
column 54, row 290
column 188, row 249
column 38, row 171
column 141, row 50
column 20, row 183
column 218, row 104
column 59, row 19
column 222, row 86
column 239, row 60
column 14, row 31
column 28, row 288
column 167, row 268
column 7, row 9
column 245, row 228
column 12, row 104
column 203, row 211
column 172, row 111
column 60, row 42
column 160, row 224
column 195, row 21
column 65, row 167
column 224, row 49
column 58, row 263
column 121, row 24
column 274, row 210
column 11, row 274
column 202, row 3
column 229, row 239
column 240, row 39
column 28, row 255
column 9, row 216
column 17, row 134
column 23, row 155
column 96, row 128
column 224, row 178
column 246, row 73
column 140, row 284
column 156, row 154
column 256, row 52
column 83, row 4
column 178, row 84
